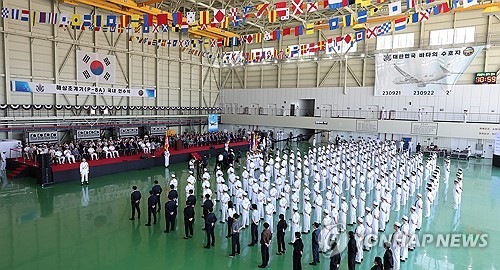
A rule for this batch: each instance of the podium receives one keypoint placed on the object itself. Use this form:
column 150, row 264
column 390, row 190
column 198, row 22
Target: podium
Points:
column 44, row 173
column 178, row 145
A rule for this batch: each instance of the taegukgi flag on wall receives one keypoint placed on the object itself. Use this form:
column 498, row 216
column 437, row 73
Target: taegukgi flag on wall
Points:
column 95, row 67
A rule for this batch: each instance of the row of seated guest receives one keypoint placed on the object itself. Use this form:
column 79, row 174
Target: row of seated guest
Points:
column 92, row 149
column 73, row 151
column 206, row 139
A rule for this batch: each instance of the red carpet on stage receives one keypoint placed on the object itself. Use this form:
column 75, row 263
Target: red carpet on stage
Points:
column 103, row 161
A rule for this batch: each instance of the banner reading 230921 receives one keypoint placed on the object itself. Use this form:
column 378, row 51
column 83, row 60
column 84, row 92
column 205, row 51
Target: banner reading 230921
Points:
column 421, row 73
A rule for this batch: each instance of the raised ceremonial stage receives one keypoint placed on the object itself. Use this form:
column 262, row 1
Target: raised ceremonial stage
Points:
column 71, row 172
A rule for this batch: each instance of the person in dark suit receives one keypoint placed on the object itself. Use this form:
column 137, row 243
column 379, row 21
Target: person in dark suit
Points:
column 235, row 235
column 170, row 215
column 388, row 257
column 254, row 226
column 157, row 190
column 352, row 250
column 151, row 207
column 315, row 243
column 210, row 220
column 191, row 198
column 265, row 243
column 418, row 148
column 207, row 204
column 335, row 257
column 377, row 264
column 188, row 219
column 298, row 248
column 135, row 199
column 173, row 194
column 280, row 233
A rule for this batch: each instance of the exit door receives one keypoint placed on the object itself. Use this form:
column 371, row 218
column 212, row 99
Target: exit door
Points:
column 372, row 112
column 326, row 110
column 427, row 113
column 271, row 109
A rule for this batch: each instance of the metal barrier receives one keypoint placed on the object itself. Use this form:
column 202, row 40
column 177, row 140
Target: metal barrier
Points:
column 493, row 118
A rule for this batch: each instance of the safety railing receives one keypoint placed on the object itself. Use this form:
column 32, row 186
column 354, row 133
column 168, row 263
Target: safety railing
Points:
column 370, row 114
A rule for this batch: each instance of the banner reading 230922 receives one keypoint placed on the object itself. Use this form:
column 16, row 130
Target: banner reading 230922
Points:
column 421, row 73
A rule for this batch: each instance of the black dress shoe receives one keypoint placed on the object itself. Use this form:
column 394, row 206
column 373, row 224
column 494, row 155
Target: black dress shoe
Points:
column 262, row 266
column 312, row 263
column 251, row 245
column 166, row 231
column 131, row 219
column 148, row 224
column 207, row 247
column 230, row 255
column 185, row 237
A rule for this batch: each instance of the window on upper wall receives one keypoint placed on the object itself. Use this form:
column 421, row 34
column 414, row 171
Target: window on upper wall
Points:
column 341, row 47
column 396, row 41
column 452, row 36
column 464, row 35
column 264, row 53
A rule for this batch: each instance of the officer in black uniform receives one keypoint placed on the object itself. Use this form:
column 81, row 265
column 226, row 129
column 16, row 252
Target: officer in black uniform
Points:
column 157, row 190
column 135, row 199
column 210, row 221
column 151, row 207
column 188, row 220
column 191, row 198
column 207, row 204
column 170, row 215
column 173, row 194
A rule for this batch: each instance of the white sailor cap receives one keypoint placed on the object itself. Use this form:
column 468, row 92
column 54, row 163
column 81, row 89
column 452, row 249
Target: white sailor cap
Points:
column 360, row 220
column 295, row 208
column 397, row 224
column 368, row 209
column 404, row 218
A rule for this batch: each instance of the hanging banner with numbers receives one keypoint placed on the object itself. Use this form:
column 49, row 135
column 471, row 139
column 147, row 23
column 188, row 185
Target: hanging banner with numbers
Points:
column 421, row 73
column 95, row 68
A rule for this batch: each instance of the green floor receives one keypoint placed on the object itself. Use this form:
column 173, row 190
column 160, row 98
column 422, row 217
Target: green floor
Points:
column 54, row 228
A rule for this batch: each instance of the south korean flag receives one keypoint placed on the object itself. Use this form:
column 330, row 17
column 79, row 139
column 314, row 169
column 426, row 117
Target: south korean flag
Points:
column 95, row 68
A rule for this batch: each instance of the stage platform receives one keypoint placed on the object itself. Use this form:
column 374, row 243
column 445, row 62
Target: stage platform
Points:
column 71, row 172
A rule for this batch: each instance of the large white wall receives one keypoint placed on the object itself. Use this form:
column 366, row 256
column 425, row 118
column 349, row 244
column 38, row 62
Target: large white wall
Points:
column 474, row 98
column 448, row 135
column 47, row 53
